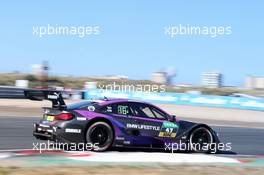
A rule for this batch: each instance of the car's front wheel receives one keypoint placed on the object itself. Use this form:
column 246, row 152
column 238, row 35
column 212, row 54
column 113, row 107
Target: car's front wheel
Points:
column 101, row 135
column 201, row 140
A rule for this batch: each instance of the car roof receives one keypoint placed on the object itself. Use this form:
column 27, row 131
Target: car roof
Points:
column 110, row 101
column 106, row 101
column 100, row 102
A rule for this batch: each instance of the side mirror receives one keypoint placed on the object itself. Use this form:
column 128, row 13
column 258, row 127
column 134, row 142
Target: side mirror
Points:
column 173, row 118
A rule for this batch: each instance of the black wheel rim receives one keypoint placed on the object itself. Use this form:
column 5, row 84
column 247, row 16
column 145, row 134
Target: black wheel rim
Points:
column 201, row 137
column 99, row 135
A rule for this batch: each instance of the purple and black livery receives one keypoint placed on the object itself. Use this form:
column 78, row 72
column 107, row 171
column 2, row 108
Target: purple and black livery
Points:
column 115, row 123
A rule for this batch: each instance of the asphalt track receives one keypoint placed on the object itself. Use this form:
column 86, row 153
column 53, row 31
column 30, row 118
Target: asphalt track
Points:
column 16, row 133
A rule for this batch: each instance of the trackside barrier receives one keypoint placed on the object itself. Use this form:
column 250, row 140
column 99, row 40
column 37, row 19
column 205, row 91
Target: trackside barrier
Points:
column 181, row 99
column 11, row 92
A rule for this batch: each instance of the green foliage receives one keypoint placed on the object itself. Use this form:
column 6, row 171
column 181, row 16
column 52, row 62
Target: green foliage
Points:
column 31, row 78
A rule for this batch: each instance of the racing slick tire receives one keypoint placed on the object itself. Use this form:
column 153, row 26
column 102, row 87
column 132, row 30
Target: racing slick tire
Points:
column 201, row 140
column 101, row 135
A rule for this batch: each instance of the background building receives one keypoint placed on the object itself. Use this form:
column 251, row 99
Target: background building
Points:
column 212, row 79
column 254, row 82
column 165, row 76
column 159, row 77
column 36, row 69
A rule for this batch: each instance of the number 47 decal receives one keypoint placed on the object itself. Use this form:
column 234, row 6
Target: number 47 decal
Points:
column 169, row 130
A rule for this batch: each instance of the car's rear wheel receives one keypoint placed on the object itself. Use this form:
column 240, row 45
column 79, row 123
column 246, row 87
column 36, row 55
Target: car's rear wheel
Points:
column 101, row 135
column 201, row 140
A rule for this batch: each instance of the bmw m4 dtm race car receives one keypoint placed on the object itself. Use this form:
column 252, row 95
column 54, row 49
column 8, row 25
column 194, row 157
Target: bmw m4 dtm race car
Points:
column 109, row 123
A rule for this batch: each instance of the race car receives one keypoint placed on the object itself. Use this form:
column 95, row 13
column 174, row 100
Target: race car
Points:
column 110, row 123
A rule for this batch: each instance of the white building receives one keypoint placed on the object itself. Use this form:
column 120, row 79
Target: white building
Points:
column 212, row 79
column 36, row 69
column 253, row 82
column 112, row 77
column 159, row 77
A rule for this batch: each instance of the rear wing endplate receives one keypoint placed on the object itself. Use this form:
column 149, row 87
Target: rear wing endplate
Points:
column 54, row 96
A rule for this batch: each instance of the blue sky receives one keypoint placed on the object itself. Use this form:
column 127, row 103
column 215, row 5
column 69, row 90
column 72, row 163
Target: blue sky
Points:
column 132, row 40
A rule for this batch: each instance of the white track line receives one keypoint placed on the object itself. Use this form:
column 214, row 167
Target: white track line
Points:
column 236, row 126
column 155, row 158
column 4, row 155
column 14, row 150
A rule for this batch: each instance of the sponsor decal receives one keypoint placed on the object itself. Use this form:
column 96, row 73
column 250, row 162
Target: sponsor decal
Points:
column 46, row 122
column 46, row 126
column 91, row 108
column 168, row 129
column 169, row 125
column 144, row 127
column 127, row 142
column 120, row 138
column 72, row 130
column 55, row 96
column 167, row 134
column 46, row 130
column 81, row 118
column 109, row 109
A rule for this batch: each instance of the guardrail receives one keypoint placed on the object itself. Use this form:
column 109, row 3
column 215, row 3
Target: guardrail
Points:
column 11, row 92
column 182, row 99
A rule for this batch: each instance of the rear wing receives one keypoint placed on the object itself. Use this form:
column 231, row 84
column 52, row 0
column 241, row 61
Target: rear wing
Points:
column 54, row 96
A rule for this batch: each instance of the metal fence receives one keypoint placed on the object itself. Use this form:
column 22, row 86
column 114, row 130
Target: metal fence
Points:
column 11, row 92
